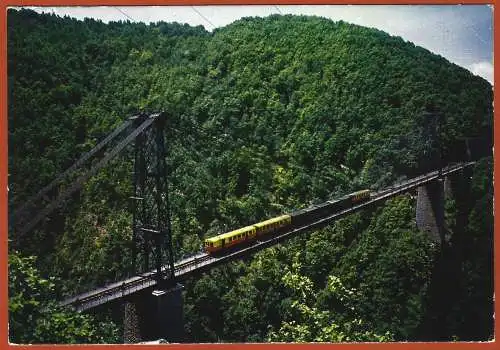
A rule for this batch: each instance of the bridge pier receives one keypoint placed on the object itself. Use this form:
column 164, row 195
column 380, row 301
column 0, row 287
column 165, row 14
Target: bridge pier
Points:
column 156, row 315
column 430, row 215
column 430, row 210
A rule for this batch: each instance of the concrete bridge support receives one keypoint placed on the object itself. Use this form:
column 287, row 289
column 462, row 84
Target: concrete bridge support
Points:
column 430, row 210
column 154, row 315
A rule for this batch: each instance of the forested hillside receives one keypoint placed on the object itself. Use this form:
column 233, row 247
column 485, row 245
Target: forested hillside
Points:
column 265, row 115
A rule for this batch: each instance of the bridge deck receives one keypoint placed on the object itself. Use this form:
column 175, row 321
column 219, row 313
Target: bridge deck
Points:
column 203, row 262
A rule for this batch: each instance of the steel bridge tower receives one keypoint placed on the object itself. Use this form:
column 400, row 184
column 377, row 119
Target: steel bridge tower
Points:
column 158, row 314
column 152, row 234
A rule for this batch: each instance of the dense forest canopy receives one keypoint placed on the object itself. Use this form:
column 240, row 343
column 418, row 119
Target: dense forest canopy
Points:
column 265, row 115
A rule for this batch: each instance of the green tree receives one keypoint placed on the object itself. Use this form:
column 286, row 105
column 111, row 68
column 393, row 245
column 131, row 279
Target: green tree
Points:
column 306, row 322
column 34, row 317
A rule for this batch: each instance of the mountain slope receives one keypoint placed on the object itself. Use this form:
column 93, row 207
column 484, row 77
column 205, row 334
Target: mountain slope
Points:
column 264, row 116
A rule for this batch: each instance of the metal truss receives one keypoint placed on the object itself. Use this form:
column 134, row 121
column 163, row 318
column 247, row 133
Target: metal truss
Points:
column 152, row 240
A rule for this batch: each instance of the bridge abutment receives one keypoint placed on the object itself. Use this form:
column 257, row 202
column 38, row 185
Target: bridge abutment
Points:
column 156, row 315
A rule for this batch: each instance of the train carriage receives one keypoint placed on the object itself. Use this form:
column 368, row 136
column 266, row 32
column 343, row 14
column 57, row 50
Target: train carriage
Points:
column 273, row 224
column 229, row 239
column 360, row 196
column 303, row 216
column 297, row 218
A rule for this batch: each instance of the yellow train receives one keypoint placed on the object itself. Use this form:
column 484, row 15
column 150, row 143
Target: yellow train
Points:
column 233, row 238
column 246, row 233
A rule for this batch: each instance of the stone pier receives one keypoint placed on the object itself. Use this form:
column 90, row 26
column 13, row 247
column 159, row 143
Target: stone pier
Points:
column 431, row 199
column 430, row 210
column 153, row 315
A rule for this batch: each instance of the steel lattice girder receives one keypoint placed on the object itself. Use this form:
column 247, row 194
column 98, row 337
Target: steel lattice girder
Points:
column 151, row 225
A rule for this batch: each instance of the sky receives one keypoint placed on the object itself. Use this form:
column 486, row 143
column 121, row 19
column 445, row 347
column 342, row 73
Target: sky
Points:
column 463, row 34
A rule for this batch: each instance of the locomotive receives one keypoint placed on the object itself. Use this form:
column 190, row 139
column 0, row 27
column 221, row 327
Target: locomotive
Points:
column 249, row 233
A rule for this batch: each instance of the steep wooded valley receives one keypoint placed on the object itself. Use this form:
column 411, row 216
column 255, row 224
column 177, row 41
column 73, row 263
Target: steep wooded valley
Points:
column 264, row 116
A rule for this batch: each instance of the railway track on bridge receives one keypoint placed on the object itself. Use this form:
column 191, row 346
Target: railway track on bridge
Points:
column 203, row 262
